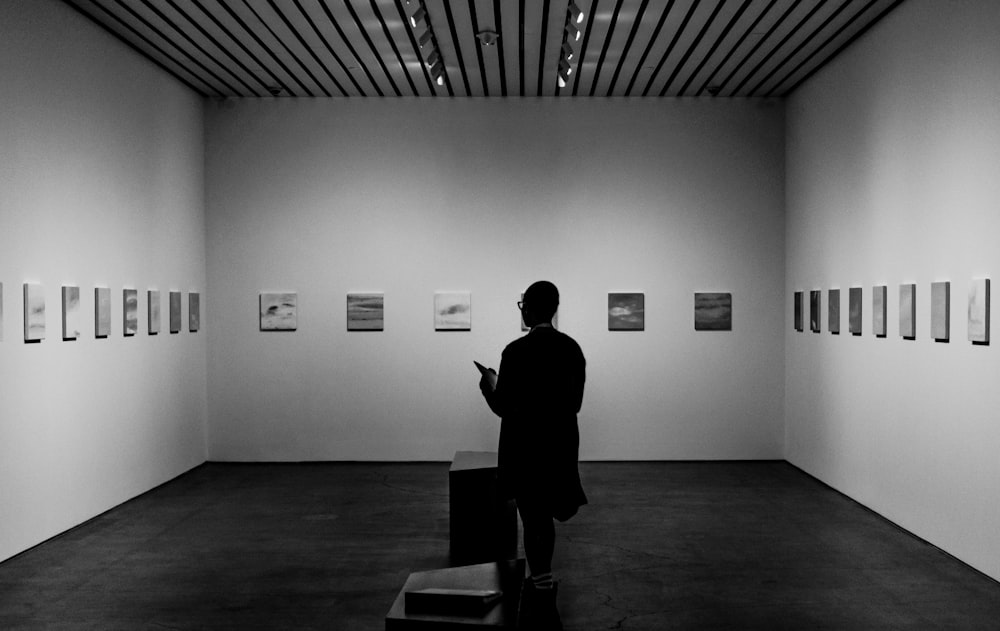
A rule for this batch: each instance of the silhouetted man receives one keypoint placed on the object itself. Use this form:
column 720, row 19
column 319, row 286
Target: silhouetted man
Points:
column 538, row 394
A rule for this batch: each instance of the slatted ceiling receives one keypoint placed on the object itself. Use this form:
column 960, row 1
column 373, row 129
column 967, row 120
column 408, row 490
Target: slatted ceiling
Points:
column 799, row 34
column 148, row 42
column 207, row 37
column 360, row 48
column 675, row 29
column 466, row 39
column 654, row 50
column 456, row 79
column 296, row 52
column 633, row 17
column 510, row 40
column 407, row 57
column 331, row 26
column 475, row 50
column 634, row 66
column 328, row 66
column 532, row 17
column 582, row 46
column 764, row 20
column 262, row 54
column 151, row 17
column 699, row 43
column 604, row 19
column 833, row 43
column 788, row 32
column 706, row 48
column 500, row 46
column 645, row 62
column 222, row 28
column 551, row 43
column 364, row 37
column 800, row 39
column 494, row 22
column 539, row 56
column 792, row 34
column 273, row 51
column 640, row 46
column 414, row 56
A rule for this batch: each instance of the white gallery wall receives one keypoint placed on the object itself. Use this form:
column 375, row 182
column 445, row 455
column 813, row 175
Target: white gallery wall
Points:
column 101, row 183
column 413, row 196
column 892, row 177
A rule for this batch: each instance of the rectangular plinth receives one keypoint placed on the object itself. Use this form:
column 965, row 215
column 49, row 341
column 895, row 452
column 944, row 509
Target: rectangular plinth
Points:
column 503, row 576
column 482, row 524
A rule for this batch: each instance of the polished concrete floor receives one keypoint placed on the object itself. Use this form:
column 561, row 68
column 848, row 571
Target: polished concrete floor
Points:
column 327, row 546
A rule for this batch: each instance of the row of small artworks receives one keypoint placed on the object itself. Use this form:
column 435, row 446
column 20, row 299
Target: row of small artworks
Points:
column 453, row 311
column 940, row 314
column 72, row 313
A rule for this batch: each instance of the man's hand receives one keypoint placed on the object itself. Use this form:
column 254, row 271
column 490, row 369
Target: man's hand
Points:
column 488, row 382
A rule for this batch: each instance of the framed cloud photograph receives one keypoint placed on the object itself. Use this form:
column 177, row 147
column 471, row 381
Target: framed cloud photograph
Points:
column 72, row 317
column 798, row 311
column 153, row 311
column 855, row 310
column 713, row 311
column 102, row 312
column 194, row 311
column 979, row 311
column 130, row 309
column 833, row 311
column 175, row 311
column 814, row 306
column 908, row 311
column 879, row 293
column 941, row 311
column 34, row 312
column 626, row 312
column 366, row 312
column 279, row 311
column 452, row 311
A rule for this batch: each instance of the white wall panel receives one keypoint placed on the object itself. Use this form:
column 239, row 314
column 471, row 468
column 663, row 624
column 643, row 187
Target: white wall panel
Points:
column 101, row 173
column 893, row 155
column 411, row 196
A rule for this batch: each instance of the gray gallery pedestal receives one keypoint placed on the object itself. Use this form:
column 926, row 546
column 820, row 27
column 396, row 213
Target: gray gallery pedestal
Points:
column 505, row 576
column 483, row 526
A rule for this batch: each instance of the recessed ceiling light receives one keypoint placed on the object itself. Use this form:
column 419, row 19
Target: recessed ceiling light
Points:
column 488, row 38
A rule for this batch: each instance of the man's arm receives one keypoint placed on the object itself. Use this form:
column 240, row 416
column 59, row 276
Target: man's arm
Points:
column 577, row 380
column 494, row 395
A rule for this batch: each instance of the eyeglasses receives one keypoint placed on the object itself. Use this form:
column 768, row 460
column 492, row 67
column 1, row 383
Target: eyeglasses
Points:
column 520, row 305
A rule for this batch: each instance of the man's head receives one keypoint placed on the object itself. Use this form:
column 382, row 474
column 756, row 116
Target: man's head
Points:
column 541, row 301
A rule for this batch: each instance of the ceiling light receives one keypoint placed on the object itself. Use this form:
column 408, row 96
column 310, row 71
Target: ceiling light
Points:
column 437, row 71
column 425, row 38
column 418, row 16
column 488, row 38
column 433, row 58
column 563, row 76
column 576, row 15
column 573, row 32
column 565, row 67
column 567, row 51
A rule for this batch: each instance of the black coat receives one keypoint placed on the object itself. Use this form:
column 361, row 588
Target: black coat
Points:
column 538, row 395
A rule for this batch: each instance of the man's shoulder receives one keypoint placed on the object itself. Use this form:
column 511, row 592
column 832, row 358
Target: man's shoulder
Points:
column 543, row 338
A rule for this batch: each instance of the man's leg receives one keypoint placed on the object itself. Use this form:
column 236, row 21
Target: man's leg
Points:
column 539, row 543
column 538, row 606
